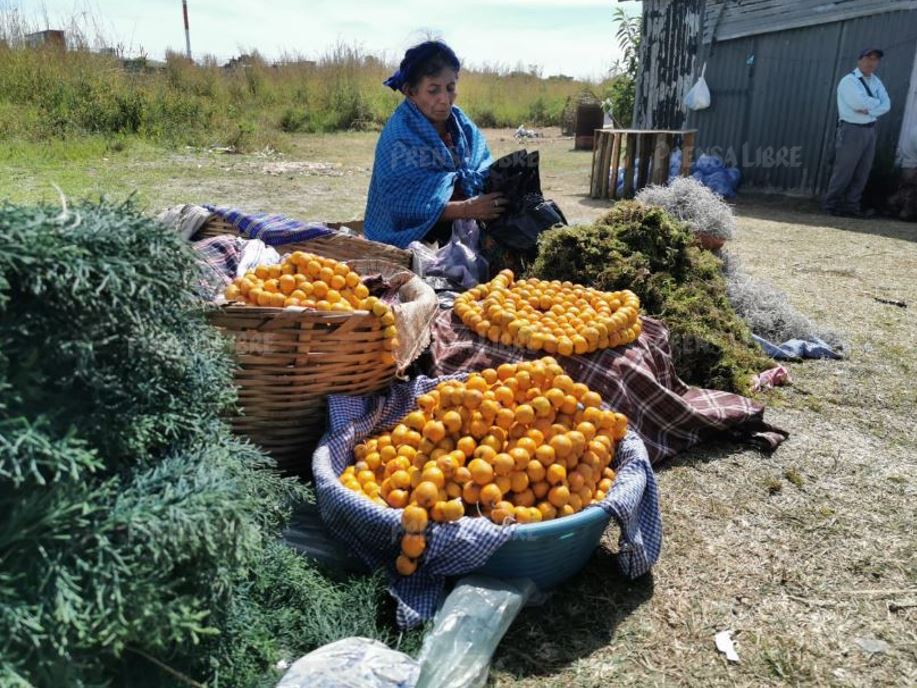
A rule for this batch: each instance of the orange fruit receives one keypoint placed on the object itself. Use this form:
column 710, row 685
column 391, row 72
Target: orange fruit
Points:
column 505, row 396
column 545, row 454
column 462, row 475
column 435, row 475
column 499, row 515
column 541, row 489
column 405, row 565
column 413, row 545
column 489, row 496
column 520, row 457
column 556, row 474
column 472, row 398
column 559, row 495
column 481, row 471
column 414, row 519
column 519, row 481
column 438, row 511
column 505, row 418
column 434, row 430
column 525, row 414
column 400, row 479
column 466, row 445
column 524, row 498
column 425, row 494
column 535, row 470
column 452, row 421
column 453, row 510
column 561, row 445
column 471, row 493
column 503, row 464
column 591, row 399
column 547, row 510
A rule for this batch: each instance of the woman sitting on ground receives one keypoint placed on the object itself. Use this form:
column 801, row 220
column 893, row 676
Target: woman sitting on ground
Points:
column 431, row 160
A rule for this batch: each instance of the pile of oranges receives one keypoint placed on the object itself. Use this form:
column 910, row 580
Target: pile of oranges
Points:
column 520, row 443
column 554, row 317
column 309, row 281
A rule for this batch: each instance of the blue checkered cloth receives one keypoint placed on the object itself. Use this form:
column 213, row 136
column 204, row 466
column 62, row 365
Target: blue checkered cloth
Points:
column 415, row 174
column 273, row 230
column 374, row 533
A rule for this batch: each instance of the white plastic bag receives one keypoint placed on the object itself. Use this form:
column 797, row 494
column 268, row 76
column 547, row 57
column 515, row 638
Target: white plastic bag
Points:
column 352, row 663
column 698, row 97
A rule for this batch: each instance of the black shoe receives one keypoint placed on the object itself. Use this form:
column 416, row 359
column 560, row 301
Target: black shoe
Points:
column 860, row 214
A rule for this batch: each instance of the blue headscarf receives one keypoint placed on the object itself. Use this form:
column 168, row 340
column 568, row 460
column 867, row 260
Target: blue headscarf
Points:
column 414, row 173
column 415, row 58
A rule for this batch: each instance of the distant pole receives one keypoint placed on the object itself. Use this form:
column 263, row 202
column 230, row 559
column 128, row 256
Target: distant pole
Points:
column 184, row 9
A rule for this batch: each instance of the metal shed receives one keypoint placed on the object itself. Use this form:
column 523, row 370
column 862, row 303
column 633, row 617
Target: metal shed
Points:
column 773, row 68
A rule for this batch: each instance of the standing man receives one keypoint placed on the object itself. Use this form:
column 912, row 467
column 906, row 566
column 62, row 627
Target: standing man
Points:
column 861, row 100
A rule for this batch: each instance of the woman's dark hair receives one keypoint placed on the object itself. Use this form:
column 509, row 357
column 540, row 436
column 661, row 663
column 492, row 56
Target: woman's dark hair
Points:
column 425, row 59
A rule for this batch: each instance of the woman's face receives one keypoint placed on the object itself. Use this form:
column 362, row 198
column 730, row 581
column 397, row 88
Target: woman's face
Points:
column 434, row 95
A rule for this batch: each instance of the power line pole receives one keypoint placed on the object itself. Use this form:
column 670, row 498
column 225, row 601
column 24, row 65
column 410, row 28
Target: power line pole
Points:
column 184, row 8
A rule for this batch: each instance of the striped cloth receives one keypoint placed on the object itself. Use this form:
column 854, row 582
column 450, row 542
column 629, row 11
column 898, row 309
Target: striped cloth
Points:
column 273, row 230
column 454, row 549
column 638, row 380
column 415, row 173
column 219, row 260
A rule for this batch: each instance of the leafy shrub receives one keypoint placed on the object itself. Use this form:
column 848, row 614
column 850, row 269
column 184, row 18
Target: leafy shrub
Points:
column 647, row 251
column 137, row 532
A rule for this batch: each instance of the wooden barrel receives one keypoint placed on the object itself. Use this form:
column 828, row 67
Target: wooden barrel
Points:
column 589, row 117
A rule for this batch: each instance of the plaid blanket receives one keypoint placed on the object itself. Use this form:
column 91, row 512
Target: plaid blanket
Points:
column 219, row 259
column 638, row 380
column 453, row 549
column 273, row 230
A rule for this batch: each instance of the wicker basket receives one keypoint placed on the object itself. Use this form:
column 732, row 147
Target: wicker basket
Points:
column 288, row 361
column 338, row 246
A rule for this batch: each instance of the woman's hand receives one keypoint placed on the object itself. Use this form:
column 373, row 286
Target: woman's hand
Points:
column 485, row 207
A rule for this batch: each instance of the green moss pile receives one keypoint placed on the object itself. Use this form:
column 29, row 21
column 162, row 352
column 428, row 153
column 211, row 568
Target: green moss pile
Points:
column 136, row 533
column 645, row 250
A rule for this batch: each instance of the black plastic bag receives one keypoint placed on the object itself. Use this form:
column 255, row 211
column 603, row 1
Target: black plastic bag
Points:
column 527, row 214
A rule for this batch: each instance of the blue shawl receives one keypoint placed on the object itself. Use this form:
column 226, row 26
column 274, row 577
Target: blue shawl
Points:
column 414, row 174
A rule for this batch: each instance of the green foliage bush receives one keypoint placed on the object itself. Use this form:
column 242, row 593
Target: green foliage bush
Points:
column 135, row 531
column 80, row 92
column 647, row 251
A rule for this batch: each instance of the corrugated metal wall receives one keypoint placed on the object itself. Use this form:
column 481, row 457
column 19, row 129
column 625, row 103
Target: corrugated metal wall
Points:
column 728, row 19
column 774, row 109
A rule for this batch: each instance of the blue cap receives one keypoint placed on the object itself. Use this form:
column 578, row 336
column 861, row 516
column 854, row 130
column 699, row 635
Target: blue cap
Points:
column 869, row 51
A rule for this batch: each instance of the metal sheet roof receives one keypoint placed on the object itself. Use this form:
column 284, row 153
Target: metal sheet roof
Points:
column 727, row 19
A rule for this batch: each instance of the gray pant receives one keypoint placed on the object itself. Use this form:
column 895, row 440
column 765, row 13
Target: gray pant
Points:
column 854, row 149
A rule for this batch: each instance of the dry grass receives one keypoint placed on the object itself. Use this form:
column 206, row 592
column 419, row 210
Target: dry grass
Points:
column 799, row 572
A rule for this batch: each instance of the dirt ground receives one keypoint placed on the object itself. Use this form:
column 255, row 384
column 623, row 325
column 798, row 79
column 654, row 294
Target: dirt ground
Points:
column 808, row 555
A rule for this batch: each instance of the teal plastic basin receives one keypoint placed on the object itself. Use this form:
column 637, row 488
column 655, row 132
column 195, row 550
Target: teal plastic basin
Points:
column 550, row 552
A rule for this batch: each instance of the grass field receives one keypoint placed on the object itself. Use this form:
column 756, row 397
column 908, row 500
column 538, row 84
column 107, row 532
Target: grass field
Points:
column 803, row 554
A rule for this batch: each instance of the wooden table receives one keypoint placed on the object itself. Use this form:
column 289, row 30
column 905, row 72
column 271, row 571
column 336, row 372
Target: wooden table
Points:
column 643, row 145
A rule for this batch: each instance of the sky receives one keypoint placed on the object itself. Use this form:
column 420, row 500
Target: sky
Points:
column 574, row 37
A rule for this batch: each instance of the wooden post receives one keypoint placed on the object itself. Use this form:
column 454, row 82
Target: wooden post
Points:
column 646, row 154
column 687, row 152
column 629, row 160
column 593, row 182
column 614, row 163
column 603, row 137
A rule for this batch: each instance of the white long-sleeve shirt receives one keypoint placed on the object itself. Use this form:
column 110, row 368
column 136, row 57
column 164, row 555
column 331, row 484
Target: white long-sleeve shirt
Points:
column 852, row 96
